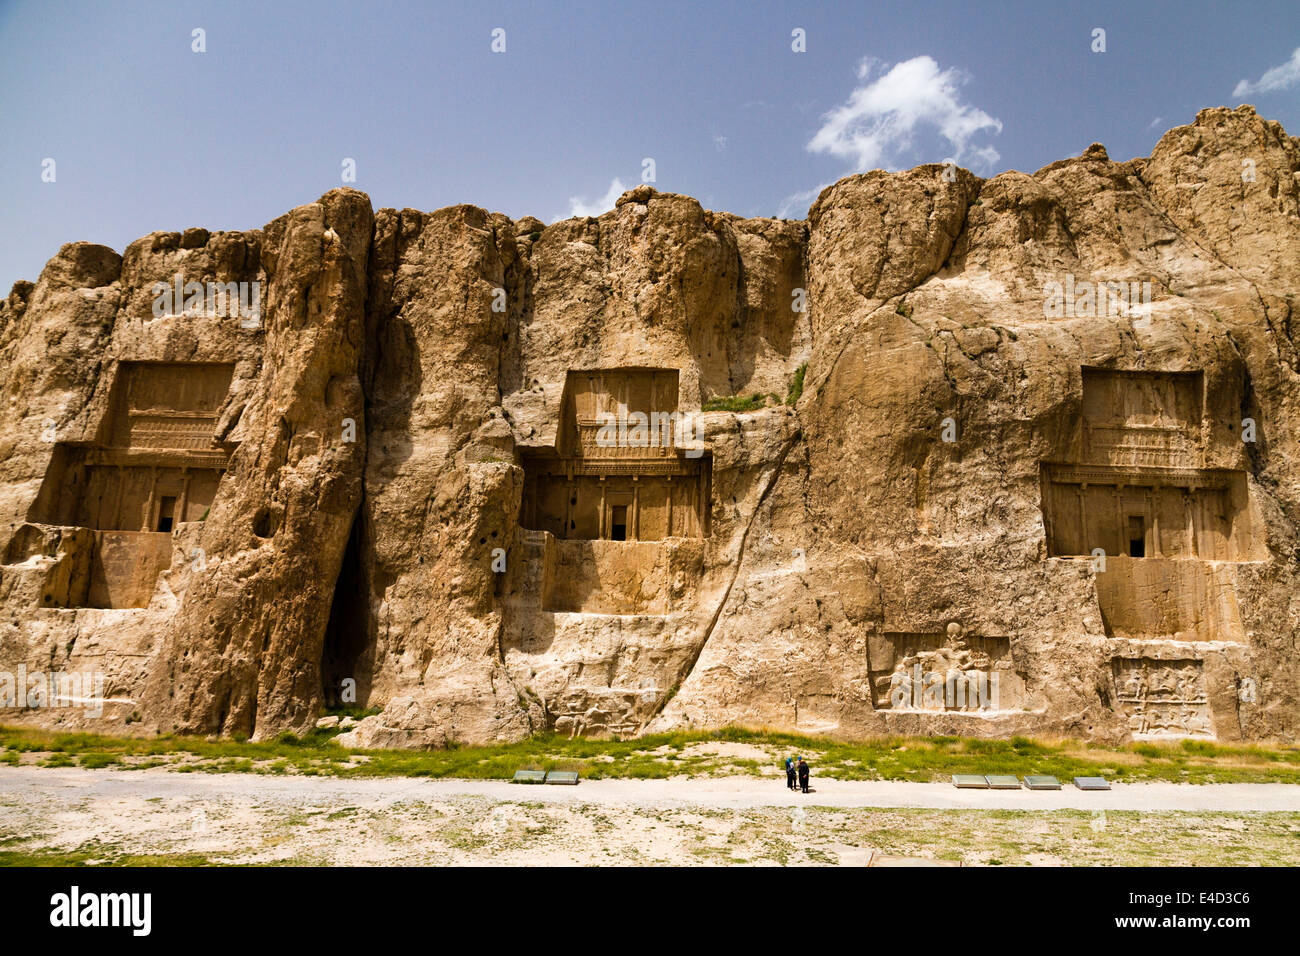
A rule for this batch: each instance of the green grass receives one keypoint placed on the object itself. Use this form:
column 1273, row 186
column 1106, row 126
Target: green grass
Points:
column 664, row 755
column 796, row 385
column 735, row 403
column 81, row 857
column 96, row 855
column 96, row 760
column 356, row 713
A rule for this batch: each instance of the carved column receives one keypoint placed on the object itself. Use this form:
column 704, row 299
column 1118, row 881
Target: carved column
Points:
column 636, row 509
column 703, row 492
column 570, row 492
column 600, row 524
column 1153, row 498
column 119, row 491
column 669, row 533
column 149, row 502
column 184, row 501
column 1051, row 496
column 1082, row 491
column 1120, row 528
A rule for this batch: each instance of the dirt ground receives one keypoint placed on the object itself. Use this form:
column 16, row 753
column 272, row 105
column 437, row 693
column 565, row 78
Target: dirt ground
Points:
column 106, row 815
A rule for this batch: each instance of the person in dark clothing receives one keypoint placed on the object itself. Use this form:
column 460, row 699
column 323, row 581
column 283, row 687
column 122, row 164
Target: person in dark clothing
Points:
column 789, row 772
column 803, row 775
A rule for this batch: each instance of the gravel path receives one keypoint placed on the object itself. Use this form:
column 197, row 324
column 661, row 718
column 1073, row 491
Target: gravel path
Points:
column 102, row 816
column 719, row 792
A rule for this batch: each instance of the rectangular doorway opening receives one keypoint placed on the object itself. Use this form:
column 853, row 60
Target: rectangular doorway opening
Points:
column 166, row 513
column 1137, row 536
column 618, row 524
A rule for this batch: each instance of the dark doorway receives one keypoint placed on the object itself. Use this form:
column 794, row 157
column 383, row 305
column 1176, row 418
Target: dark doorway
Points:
column 166, row 514
column 1137, row 536
column 618, row 527
column 347, row 654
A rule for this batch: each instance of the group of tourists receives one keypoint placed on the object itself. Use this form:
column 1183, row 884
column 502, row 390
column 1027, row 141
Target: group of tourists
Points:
column 796, row 773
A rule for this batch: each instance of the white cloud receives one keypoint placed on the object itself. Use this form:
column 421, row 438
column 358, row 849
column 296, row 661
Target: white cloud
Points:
column 868, row 65
column 720, row 142
column 1155, row 122
column 982, row 156
column 799, row 202
column 579, row 207
column 1278, row 78
column 878, row 124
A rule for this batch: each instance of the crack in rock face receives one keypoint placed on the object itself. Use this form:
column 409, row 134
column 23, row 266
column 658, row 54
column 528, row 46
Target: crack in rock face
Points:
column 950, row 456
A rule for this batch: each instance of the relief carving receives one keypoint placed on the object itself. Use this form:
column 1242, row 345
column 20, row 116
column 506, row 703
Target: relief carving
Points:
column 1163, row 698
column 944, row 672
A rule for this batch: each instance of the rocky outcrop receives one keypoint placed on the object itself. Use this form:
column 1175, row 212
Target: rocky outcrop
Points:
column 243, row 653
column 971, row 456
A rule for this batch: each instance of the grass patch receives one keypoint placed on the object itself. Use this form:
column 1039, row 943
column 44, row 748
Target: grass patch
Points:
column 96, row 855
column 96, row 760
column 92, row 857
column 796, row 385
column 685, row 753
column 356, row 713
column 735, row 403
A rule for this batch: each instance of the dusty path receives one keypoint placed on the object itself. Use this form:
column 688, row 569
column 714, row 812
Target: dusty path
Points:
column 77, row 815
column 716, row 792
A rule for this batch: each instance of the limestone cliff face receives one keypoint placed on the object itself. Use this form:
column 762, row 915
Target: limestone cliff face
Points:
column 1040, row 476
column 243, row 652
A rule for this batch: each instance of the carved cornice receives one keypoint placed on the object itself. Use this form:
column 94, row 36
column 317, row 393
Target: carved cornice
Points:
column 217, row 459
column 1191, row 478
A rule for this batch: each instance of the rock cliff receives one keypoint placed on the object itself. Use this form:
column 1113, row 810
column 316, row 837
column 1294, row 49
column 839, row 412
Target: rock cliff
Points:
column 953, row 455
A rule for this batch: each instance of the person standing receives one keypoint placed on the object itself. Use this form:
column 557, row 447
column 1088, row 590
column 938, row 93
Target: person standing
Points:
column 789, row 772
column 803, row 775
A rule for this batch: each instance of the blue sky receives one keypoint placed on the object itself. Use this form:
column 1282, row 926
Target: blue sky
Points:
column 147, row 134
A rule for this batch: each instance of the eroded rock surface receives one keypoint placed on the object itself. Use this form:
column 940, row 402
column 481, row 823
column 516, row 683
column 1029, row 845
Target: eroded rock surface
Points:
column 954, row 455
